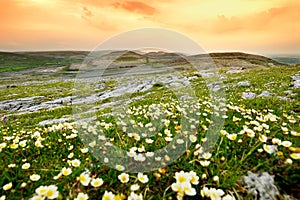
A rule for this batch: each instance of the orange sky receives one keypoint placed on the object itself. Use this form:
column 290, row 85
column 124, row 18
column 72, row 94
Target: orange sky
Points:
column 260, row 26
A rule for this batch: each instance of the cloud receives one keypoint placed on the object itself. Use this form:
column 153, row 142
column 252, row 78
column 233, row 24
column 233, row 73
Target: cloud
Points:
column 277, row 18
column 136, row 6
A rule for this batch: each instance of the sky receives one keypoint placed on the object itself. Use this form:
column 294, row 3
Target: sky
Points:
column 254, row 26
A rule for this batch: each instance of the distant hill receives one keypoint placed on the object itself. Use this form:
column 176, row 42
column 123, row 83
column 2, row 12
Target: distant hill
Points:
column 24, row 60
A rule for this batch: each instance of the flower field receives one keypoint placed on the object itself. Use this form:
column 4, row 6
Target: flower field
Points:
column 254, row 155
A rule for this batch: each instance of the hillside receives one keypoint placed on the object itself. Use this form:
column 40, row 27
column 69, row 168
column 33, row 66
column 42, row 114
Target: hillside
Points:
column 25, row 60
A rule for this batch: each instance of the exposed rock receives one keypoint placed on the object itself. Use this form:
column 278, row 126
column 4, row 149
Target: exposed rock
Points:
column 244, row 83
column 296, row 79
column 20, row 104
column 216, row 86
column 284, row 98
column 53, row 121
column 234, row 71
column 261, row 186
column 248, row 95
column 296, row 84
column 265, row 94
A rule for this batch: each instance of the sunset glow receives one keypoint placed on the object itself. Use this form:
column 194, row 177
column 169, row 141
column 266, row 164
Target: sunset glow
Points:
column 235, row 25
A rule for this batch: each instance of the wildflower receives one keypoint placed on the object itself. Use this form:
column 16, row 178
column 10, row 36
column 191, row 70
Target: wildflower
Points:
column 250, row 133
column 23, row 185
column 205, row 192
column 143, row 178
column 223, row 132
column 295, row 156
column 194, row 178
column 38, row 144
column 134, row 196
column 270, row 148
column 193, row 138
column 52, row 192
column 75, row 163
column 124, row 178
column 35, row 177
column 82, row 196
column 285, row 130
column 26, row 166
column 276, row 141
column 149, row 141
column 206, row 155
column 263, row 138
column 71, row 155
column 180, row 141
column 288, row 161
column 216, row 178
column 7, row 186
column 228, row 197
column 120, row 168
column 286, row 143
column 84, row 150
column 22, row 143
column 84, row 179
column 204, row 163
column 204, row 176
column 216, row 193
column 42, row 190
column 232, row 136
column 183, row 188
column 66, row 171
column 134, row 187
column 97, row 182
column 182, row 177
column 11, row 165
column 108, row 196
column 37, row 197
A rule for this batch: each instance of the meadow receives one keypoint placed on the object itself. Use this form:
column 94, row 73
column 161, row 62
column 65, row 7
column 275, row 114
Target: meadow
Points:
column 254, row 155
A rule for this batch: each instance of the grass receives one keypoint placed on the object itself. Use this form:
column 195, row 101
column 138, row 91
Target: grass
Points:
column 20, row 61
column 250, row 129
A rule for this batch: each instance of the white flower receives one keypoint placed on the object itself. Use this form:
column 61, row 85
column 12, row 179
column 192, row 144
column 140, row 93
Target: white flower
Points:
column 84, row 179
column 194, row 178
column 7, row 186
column 205, row 192
column 97, row 182
column 216, row 178
column 232, row 136
column 52, row 192
column 75, row 163
column 204, row 163
column 42, row 190
column 84, row 150
column 82, row 196
column 143, row 178
column 263, row 138
column 206, row 155
column 228, row 197
column 270, row 148
column 182, row 177
column 134, row 187
column 120, row 168
column 66, row 171
column 215, row 194
column 35, row 177
column 26, row 166
column 108, row 196
column 134, row 196
column 286, row 143
column 124, row 178
column 193, row 138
